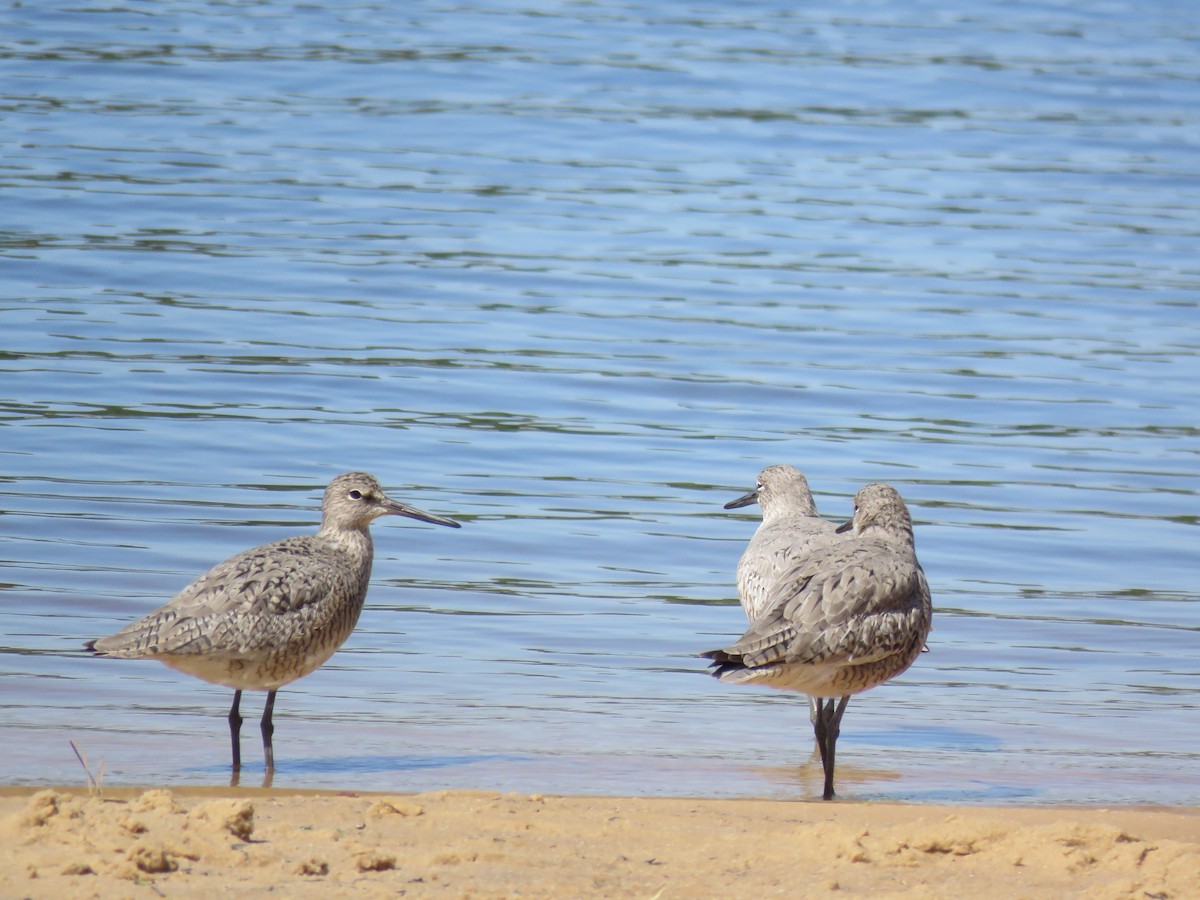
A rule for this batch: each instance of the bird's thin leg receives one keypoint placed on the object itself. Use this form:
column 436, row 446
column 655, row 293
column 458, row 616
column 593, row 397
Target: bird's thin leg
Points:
column 816, row 713
column 235, row 730
column 268, row 729
column 833, row 727
column 814, row 710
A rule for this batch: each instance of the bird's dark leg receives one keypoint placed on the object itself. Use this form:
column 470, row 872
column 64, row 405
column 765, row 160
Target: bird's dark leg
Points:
column 817, row 715
column 832, row 719
column 268, row 729
column 235, row 730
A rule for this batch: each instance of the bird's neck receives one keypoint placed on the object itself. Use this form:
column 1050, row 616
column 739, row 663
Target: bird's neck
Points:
column 797, row 510
column 891, row 531
column 355, row 542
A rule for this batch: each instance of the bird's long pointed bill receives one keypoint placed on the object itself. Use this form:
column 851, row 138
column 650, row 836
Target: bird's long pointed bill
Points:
column 844, row 527
column 395, row 508
column 744, row 500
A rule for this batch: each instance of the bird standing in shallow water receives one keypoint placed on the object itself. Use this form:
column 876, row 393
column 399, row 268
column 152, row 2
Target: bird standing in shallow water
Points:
column 849, row 617
column 790, row 530
column 272, row 614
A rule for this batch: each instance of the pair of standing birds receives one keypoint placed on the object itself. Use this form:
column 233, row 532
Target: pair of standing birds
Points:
column 833, row 611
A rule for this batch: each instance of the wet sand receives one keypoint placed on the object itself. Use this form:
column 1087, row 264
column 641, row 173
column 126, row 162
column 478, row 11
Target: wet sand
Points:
column 245, row 842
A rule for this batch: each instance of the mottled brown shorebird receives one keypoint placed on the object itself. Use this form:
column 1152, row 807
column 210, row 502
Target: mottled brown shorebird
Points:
column 849, row 617
column 272, row 614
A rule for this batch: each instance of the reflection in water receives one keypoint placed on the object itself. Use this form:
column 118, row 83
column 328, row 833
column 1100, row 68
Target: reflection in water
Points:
column 235, row 777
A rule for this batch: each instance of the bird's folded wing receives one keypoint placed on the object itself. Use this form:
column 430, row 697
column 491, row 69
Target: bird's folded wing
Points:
column 838, row 607
column 238, row 606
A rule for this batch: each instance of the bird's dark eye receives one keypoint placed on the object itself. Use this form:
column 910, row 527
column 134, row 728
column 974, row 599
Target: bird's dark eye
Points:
column 356, row 495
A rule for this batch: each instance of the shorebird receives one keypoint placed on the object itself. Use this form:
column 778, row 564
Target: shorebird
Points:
column 791, row 529
column 849, row 617
column 270, row 615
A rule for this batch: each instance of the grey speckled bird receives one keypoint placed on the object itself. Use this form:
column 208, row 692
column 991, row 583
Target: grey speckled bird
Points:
column 267, row 616
column 847, row 618
column 790, row 530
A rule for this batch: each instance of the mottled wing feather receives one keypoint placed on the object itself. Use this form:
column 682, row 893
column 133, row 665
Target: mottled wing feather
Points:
column 773, row 551
column 241, row 605
column 833, row 608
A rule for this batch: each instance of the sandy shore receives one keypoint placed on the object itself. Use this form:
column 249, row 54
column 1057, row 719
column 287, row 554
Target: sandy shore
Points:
column 204, row 842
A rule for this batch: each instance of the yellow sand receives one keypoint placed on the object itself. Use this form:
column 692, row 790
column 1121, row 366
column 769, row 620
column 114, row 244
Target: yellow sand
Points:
column 245, row 843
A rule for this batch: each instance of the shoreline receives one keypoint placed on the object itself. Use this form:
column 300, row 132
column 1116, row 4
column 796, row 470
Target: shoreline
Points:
column 196, row 841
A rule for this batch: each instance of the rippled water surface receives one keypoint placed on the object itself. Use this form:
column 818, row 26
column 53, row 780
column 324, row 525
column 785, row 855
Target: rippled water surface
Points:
column 572, row 273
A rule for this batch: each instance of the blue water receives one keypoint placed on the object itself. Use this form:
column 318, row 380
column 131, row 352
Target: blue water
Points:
column 572, row 273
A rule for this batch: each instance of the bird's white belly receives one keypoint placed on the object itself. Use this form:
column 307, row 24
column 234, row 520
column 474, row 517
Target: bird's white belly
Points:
column 258, row 673
column 816, row 681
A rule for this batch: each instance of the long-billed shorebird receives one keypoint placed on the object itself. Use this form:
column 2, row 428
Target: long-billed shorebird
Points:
column 790, row 529
column 851, row 616
column 270, row 615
